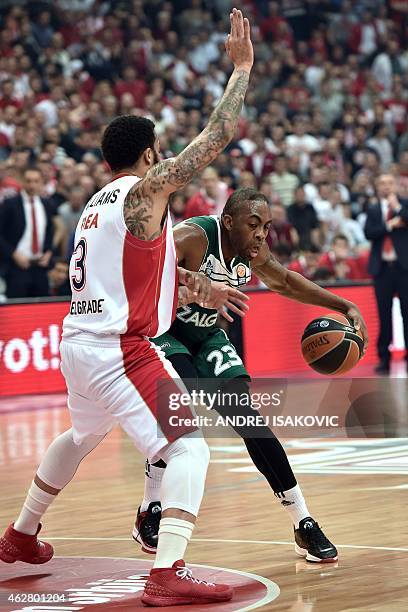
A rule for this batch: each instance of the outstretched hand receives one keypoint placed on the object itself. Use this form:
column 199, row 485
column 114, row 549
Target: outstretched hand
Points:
column 238, row 44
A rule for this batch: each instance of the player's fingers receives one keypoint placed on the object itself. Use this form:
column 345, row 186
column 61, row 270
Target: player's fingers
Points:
column 204, row 288
column 239, row 303
column 236, row 309
column 233, row 22
column 247, row 29
column 189, row 280
column 238, row 294
column 226, row 316
column 198, row 286
column 240, row 24
column 365, row 341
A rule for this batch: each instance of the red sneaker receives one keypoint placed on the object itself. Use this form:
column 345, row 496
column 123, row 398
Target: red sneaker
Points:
column 17, row 546
column 175, row 586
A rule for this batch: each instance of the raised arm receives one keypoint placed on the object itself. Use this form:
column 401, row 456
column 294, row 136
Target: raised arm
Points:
column 172, row 174
column 177, row 172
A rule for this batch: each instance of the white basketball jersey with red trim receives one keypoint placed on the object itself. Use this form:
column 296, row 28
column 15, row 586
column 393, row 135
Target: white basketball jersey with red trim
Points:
column 121, row 285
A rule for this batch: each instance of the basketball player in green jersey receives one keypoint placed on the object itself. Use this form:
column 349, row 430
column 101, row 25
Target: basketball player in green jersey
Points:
column 226, row 249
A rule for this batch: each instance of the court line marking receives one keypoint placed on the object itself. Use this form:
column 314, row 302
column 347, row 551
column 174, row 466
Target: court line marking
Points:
column 272, row 589
column 283, row 543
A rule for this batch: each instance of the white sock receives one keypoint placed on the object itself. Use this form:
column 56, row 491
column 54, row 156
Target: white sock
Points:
column 153, row 479
column 174, row 535
column 36, row 503
column 294, row 504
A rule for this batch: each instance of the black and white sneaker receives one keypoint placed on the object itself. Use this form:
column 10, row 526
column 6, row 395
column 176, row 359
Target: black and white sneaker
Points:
column 310, row 542
column 146, row 529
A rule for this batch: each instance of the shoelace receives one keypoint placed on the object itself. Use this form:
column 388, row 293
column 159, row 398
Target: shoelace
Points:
column 187, row 574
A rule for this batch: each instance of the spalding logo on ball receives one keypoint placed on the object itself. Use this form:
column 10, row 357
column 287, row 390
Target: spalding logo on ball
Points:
column 331, row 345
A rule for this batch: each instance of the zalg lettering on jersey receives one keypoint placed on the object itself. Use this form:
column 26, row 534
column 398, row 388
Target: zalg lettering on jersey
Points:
column 198, row 319
column 106, row 197
column 79, row 307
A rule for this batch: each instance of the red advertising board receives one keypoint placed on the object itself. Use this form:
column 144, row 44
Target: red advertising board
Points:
column 274, row 326
column 29, row 348
column 30, row 336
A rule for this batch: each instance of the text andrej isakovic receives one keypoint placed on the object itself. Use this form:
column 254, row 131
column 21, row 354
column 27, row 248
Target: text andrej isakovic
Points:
column 255, row 401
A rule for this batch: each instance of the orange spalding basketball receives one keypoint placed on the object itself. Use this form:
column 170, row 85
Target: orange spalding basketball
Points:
column 331, row 345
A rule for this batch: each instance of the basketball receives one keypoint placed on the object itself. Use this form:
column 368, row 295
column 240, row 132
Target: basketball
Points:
column 331, row 345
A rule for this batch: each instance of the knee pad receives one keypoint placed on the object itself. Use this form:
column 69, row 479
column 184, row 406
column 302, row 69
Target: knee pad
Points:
column 184, row 477
column 195, row 449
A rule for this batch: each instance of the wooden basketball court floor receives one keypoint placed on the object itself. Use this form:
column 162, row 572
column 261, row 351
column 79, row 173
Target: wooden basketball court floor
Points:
column 356, row 488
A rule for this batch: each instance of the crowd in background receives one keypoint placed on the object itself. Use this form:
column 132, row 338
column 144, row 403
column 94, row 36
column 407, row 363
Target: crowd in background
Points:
column 325, row 114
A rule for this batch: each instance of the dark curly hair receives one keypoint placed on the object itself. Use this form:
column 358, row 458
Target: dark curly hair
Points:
column 125, row 139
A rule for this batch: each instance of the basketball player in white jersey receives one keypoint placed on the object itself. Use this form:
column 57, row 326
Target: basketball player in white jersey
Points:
column 124, row 289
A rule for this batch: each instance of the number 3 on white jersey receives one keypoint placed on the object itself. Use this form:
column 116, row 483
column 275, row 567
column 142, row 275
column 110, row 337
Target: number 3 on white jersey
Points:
column 79, row 280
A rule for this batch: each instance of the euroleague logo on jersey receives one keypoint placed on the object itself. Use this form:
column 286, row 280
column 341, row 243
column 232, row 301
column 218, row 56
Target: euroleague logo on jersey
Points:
column 241, row 271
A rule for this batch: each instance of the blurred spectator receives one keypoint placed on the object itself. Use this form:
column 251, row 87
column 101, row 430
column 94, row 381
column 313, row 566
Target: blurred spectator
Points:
column 247, row 179
column 365, row 37
column 387, row 227
column 397, row 103
column 352, row 229
column 26, row 233
column 402, row 176
column 356, row 154
column 71, row 210
column 329, row 102
column 69, row 214
column 283, row 182
column 281, row 232
column 211, row 198
column 58, row 279
column 362, row 191
column 387, row 64
column 9, row 187
column 301, row 143
column 303, row 217
column 380, row 142
column 270, row 24
column 307, row 261
column 338, row 260
column 132, row 85
column 260, row 161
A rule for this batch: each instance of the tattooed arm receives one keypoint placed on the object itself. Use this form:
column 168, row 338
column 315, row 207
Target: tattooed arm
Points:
column 146, row 201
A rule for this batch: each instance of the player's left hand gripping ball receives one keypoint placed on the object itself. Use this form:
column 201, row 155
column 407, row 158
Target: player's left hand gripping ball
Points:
column 356, row 317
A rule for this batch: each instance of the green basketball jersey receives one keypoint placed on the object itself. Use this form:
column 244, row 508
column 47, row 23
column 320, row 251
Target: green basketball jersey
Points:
column 193, row 323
